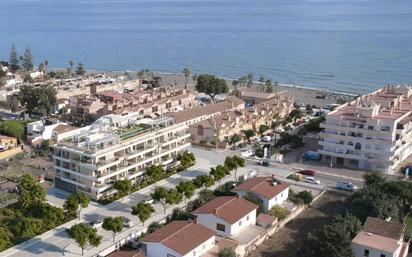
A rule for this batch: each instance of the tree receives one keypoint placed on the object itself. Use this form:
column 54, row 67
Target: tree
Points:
column 43, row 97
column 84, row 236
column 113, row 224
column 277, row 121
column 332, row 240
column 261, row 81
column 268, row 86
column 231, row 163
column 181, row 214
column 218, row 173
column 296, row 114
column 123, row 186
column 371, row 202
column 165, row 196
column 186, row 72
column 75, row 202
column 279, row 212
column 186, row 159
column 42, row 67
column 263, row 128
column 14, row 60
column 205, row 196
column 235, row 138
column 187, row 188
column 71, row 63
column 46, row 64
column 401, row 194
column 240, row 163
column 211, row 85
column 143, row 211
column 227, row 252
column 203, row 181
column 30, row 193
column 235, row 83
column 5, row 238
column 306, row 196
column 173, row 196
column 249, row 79
column 249, row 134
column 373, row 179
column 155, row 172
column 28, row 60
column 80, row 70
column 13, row 128
column 153, row 227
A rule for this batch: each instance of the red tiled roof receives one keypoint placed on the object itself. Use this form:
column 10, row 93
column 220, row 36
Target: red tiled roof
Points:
column 262, row 186
column 180, row 236
column 384, row 228
column 228, row 208
column 124, row 253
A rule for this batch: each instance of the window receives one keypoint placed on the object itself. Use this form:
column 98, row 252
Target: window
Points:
column 383, row 255
column 194, row 253
column 366, row 253
column 170, row 255
column 370, row 127
column 358, row 146
column 240, row 223
column 386, row 128
column 220, row 227
column 247, row 217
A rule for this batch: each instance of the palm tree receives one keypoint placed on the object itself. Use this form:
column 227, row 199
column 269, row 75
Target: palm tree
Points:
column 186, row 72
column 234, row 83
column 71, row 63
column 268, row 86
column 261, row 81
column 277, row 120
column 46, row 63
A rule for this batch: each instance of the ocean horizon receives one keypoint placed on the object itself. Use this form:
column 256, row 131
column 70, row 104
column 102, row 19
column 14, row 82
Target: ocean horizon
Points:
column 353, row 46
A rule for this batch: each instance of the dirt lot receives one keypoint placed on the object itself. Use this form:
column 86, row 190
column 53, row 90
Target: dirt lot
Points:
column 288, row 239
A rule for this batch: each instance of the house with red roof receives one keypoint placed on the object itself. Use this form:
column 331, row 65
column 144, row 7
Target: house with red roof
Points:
column 227, row 215
column 269, row 190
column 380, row 238
column 179, row 239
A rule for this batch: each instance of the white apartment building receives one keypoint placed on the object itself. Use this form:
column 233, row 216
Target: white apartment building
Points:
column 115, row 148
column 373, row 132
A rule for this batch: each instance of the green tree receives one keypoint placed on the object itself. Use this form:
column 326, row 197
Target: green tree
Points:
column 113, row 224
column 28, row 60
column 235, row 139
column 74, row 204
column 123, row 186
column 235, row 83
column 186, row 159
column 80, row 69
column 263, row 128
column 186, row 72
column 205, row 196
column 332, row 240
column 186, row 188
column 43, row 97
column 153, row 227
column 401, row 194
column 249, row 79
column 155, row 172
column 227, row 252
column 181, row 214
column 211, row 85
column 296, row 114
column 71, row 63
column 306, row 196
column 83, row 201
column 143, row 211
column 13, row 128
column 373, row 179
column 173, row 196
column 249, row 134
column 218, row 173
column 160, row 195
column 231, row 163
column 30, row 193
column 42, row 67
column 203, row 181
column 14, row 59
column 268, row 86
column 276, row 122
column 84, row 236
column 279, row 212
column 46, row 64
column 5, row 238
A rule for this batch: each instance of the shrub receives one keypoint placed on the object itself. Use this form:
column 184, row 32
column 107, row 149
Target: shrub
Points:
column 279, row 212
column 294, row 176
column 306, row 196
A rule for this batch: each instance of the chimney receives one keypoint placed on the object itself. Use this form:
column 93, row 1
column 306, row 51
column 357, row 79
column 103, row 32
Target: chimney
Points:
column 214, row 211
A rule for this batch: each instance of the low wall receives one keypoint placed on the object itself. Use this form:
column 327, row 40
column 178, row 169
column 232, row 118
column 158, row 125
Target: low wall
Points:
column 10, row 153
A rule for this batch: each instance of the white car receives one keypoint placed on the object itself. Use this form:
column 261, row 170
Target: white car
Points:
column 96, row 223
column 312, row 180
column 246, row 153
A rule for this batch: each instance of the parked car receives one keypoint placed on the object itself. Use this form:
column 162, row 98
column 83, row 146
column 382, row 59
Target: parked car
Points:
column 246, row 153
column 312, row 155
column 149, row 201
column 265, row 163
column 266, row 138
column 348, row 186
column 307, row 172
column 312, row 180
column 127, row 222
column 96, row 223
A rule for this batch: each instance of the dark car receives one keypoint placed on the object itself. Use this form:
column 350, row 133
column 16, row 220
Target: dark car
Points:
column 307, row 172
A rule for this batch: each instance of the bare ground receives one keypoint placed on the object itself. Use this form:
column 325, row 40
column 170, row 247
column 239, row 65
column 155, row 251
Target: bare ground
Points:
column 288, row 239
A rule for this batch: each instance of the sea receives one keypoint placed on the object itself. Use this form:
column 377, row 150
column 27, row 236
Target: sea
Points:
column 351, row 46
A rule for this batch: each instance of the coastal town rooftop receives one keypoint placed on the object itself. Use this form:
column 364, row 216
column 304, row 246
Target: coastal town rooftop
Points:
column 111, row 130
column 388, row 103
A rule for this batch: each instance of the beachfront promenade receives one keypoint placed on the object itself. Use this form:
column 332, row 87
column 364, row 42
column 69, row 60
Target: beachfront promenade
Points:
column 56, row 242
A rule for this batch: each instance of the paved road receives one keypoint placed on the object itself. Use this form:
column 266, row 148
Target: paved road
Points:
column 56, row 242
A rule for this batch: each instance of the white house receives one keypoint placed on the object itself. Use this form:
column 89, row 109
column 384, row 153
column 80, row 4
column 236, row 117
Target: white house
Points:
column 271, row 191
column 179, row 239
column 380, row 238
column 227, row 215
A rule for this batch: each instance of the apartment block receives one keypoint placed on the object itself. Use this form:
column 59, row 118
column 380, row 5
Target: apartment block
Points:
column 115, row 148
column 373, row 132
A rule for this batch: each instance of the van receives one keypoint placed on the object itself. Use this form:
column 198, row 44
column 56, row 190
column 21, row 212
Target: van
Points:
column 347, row 186
column 312, row 155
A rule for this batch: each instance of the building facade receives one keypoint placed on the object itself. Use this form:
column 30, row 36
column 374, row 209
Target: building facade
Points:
column 115, row 148
column 373, row 132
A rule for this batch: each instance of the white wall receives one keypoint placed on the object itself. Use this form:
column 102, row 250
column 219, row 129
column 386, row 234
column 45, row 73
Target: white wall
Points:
column 269, row 203
column 160, row 250
column 211, row 221
column 359, row 251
